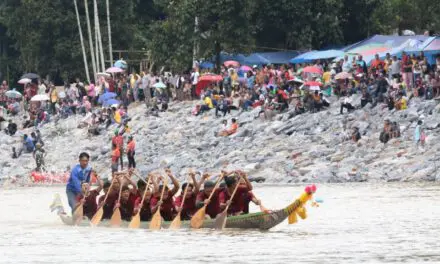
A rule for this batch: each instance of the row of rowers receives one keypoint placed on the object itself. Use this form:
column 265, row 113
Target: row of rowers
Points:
column 132, row 194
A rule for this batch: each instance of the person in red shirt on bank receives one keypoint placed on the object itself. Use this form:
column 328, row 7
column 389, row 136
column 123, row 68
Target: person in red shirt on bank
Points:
column 167, row 206
column 237, row 202
column 189, row 206
column 116, row 154
column 118, row 140
column 131, row 145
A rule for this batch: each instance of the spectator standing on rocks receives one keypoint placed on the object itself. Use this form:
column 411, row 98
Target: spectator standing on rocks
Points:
column 131, row 145
column 419, row 135
column 115, row 157
column 39, row 155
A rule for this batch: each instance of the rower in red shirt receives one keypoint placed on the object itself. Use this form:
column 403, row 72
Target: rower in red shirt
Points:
column 189, row 206
column 237, row 203
column 111, row 199
column 167, row 206
column 90, row 205
column 213, row 207
column 128, row 199
column 145, row 210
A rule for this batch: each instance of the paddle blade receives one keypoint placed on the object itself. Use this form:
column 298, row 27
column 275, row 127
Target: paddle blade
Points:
column 177, row 222
column 78, row 214
column 198, row 218
column 96, row 219
column 116, row 220
column 220, row 220
column 135, row 221
column 156, row 221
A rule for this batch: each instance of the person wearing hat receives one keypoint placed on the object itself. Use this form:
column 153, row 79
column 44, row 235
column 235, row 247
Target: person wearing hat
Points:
column 39, row 154
column 131, row 145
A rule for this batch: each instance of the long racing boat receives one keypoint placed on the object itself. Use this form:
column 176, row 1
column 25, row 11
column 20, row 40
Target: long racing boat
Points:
column 260, row 220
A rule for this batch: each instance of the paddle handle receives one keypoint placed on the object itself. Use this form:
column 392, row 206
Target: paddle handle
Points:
column 145, row 192
column 215, row 187
column 233, row 193
column 109, row 189
column 165, row 181
column 184, row 196
column 120, row 192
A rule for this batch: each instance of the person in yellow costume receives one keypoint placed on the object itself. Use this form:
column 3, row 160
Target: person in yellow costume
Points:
column 302, row 200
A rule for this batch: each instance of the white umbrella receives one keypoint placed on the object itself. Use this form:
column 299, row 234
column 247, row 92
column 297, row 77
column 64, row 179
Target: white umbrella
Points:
column 160, row 85
column 13, row 94
column 24, row 81
column 62, row 94
column 40, row 97
column 102, row 74
column 314, row 88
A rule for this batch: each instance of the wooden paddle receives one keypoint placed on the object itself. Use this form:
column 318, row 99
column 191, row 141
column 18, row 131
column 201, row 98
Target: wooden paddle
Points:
column 136, row 220
column 78, row 214
column 177, row 222
column 97, row 217
column 199, row 217
column 156, row 220
column 220, row 220
column 116, row 220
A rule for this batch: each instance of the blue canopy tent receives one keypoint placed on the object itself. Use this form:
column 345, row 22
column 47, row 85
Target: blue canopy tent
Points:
column 324, row 54
column 302, row 58
column 279, row 57
column 430, row 48
column 256, row 59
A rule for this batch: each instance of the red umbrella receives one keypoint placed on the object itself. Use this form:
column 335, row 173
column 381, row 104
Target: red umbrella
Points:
column 312, row 69
column 205, row 80
column 313, row 83
column 211, row 78
column 231, row 63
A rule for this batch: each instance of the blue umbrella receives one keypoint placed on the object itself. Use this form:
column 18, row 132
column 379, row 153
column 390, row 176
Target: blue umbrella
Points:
column 111, row 102
column 121, row 64
column 106, row 96
column 207, row 65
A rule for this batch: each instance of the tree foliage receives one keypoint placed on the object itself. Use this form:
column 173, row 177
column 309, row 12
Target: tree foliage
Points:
column 42, row 36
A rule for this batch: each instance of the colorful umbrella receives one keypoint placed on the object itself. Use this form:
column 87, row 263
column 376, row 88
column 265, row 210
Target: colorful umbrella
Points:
column 205, row 80
column 232, row 63
column 312, row 69
column 313, row 83
column 40, row 97
column 296, row 80
column 211, row 78
column 106, row 96
column 114, row 70
column 13, row 94
column 245, row 68
column 30, row 76
column 343, row 76
column 121, row 64
column 207, row 65
column 160, row 85
column 24, row 81
column 111, row 102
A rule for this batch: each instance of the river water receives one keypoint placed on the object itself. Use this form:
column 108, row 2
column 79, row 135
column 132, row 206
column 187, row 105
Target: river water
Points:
column 356, row 223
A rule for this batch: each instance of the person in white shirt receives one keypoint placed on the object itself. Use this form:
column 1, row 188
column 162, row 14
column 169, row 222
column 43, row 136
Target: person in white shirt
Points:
column 41, row 87
column 346, row 103
column 194, row 80
column 346, row 65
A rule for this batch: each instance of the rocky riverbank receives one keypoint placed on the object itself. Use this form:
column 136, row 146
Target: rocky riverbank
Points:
column 286, row 149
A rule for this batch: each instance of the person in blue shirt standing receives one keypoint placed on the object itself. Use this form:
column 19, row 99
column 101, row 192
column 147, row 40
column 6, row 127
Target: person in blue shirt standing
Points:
column 81, row 173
